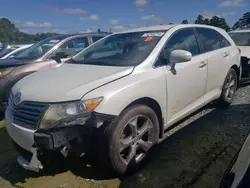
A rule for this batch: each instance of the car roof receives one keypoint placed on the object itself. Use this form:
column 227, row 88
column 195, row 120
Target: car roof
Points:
column 240, row 31
column 167, row 27
column 61, row 37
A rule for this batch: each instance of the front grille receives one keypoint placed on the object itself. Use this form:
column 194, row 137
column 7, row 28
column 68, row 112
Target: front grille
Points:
column 26, row 114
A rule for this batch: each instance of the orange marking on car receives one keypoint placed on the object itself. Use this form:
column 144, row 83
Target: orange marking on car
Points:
column 175, row 106
column 148, row 39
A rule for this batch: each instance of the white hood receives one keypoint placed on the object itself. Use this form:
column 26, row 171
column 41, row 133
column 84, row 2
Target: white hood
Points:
column 66, row 82
column 245, row 51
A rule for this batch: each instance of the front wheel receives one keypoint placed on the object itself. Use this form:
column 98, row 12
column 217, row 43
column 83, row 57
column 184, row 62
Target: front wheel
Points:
column 130, row 139
column 229, row 88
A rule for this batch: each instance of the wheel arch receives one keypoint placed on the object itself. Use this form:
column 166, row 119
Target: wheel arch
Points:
column 154, row 105
column 237, row 70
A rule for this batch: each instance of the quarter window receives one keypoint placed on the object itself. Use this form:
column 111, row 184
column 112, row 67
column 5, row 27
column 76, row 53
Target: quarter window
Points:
column 223, row 41
column 208, row 38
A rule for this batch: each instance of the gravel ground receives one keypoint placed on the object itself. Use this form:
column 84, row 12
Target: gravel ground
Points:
column 195, row 154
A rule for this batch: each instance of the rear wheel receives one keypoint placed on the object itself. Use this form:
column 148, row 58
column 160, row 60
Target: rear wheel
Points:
column 229, row 88
column 130, row 138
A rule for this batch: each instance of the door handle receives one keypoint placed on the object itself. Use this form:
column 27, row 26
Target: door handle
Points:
column 203, row 64
column 226, row 54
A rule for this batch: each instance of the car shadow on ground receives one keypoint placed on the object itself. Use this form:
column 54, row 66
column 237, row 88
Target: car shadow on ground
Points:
column 2, row 110
column 184, row 159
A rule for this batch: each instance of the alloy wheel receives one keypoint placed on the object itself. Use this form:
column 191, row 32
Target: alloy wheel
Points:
column 230, row 87
column 136, row 139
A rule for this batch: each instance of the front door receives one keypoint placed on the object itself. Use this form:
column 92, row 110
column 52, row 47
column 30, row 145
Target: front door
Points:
column 71, row 47
column 186, row 84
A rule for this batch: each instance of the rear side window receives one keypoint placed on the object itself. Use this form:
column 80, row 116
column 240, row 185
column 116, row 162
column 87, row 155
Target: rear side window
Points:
column 208, row 38
column 96, row 38
column 223, row 41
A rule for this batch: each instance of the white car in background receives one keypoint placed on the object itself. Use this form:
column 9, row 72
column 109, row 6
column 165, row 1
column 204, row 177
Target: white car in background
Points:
column 13, row 50
column 242, row 40
column 120, row 95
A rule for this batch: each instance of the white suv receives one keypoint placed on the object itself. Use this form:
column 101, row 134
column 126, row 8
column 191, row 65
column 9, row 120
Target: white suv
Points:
column 242, row 40
column 119, row 95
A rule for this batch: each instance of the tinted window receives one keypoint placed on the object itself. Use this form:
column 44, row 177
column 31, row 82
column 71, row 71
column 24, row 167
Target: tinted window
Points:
column 96, row 38
column 18, row 52
column 39, row 49
column 73, row 46
column 223, row 41
column 6, row 51
column 182, row 40
column 241, row 38
column 208, row 38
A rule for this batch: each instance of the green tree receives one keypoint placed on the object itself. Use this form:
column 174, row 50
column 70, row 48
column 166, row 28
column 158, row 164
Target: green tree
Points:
column 219, row 22
column 236, row 25
column 214, row 21
column 9, row 33
column 199, row 20
column 243, row 22
column 184, row 22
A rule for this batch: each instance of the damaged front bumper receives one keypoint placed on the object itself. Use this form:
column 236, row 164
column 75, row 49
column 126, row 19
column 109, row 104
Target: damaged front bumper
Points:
column 77, row 139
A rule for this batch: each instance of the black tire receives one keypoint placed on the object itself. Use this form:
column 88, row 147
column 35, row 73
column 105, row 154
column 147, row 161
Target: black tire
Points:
column 109, row 151
column 225, row 100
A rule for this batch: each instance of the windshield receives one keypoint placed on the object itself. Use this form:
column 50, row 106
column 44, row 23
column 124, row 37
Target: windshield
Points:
column 39, row 49
column 241, row 38
column 6, row 51
column 125, row 49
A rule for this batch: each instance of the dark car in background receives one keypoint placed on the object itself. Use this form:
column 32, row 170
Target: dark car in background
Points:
column 238, row 173
column 13, row 50
column 46, row 53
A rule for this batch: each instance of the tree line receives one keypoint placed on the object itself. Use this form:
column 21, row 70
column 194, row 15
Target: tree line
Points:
column 9, row 33
column 243, row 22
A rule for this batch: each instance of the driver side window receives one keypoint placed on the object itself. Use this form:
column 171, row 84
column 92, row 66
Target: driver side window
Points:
column 72, row 47
column 183, row 39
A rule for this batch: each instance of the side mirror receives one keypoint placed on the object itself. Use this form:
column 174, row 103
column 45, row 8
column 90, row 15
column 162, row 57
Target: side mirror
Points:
column 58, row 56
column 180, row 56
column 61, row 55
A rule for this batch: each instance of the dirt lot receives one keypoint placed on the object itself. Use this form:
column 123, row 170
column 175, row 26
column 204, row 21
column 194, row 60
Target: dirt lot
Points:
column 195, row 156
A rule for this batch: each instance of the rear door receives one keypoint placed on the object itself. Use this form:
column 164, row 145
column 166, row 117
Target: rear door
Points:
column 217, row 57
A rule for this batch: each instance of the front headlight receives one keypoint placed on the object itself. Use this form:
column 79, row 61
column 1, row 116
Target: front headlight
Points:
column 71, row 113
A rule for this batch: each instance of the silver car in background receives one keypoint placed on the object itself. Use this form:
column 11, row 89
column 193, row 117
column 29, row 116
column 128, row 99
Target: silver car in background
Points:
column 13, row 50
